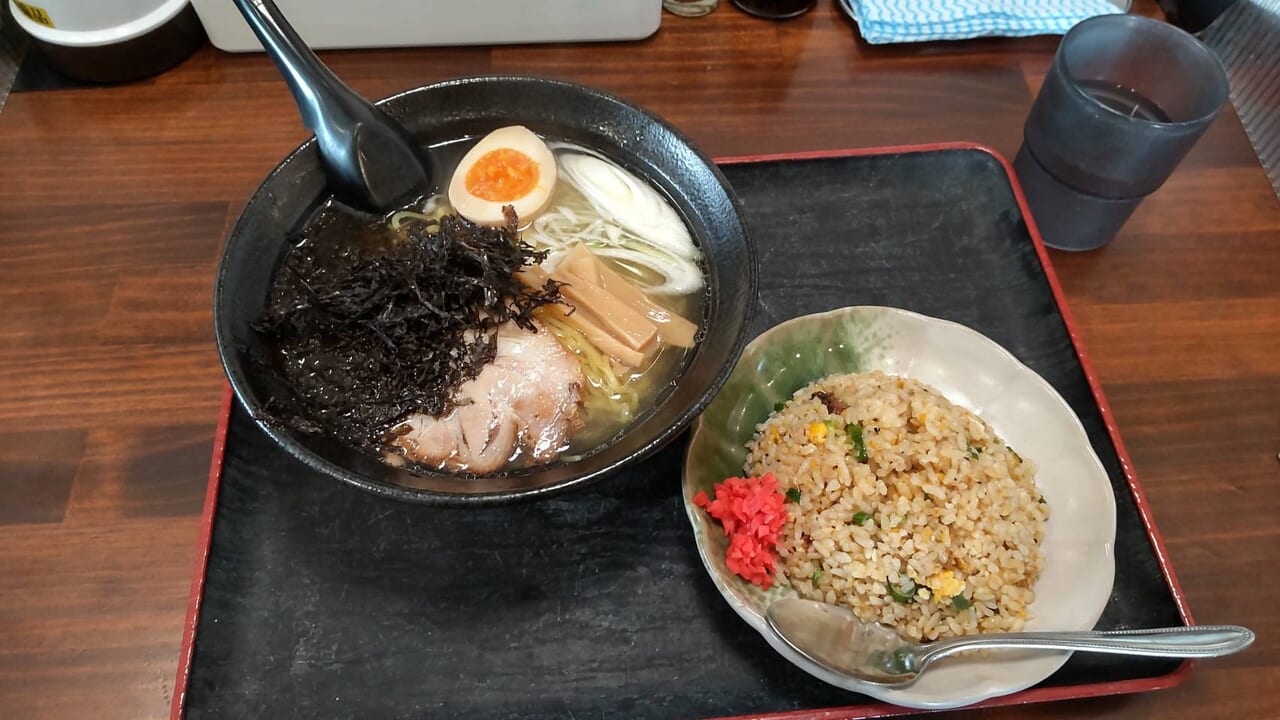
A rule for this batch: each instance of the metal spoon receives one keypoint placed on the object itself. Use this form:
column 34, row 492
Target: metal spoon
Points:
column 836, row 639
column 370, row 159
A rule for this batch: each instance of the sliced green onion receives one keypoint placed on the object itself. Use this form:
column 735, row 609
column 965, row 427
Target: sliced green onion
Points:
column 974, row 452
column 961, row 602
column 854, row 432
column 777, row 407
column 861, row 518
column 1013, row 453
column 904, row 593
column 817, row 575
column 793, row 495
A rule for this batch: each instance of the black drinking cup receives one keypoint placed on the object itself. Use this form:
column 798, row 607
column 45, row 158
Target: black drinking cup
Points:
column 1194, row 15
column 1124, row 101
column 775, row 9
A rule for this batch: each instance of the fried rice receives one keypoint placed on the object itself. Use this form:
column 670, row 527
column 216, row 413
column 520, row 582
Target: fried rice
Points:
column 904, row 507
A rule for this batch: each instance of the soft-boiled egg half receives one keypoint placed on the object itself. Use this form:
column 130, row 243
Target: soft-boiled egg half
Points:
column 509, row 166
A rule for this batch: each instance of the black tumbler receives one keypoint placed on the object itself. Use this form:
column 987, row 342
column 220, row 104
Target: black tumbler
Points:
column 1124, row 101
column 1194, row 15
column 775, row 9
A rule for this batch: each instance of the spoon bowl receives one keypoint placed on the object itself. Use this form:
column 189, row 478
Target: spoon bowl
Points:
column 834, row 637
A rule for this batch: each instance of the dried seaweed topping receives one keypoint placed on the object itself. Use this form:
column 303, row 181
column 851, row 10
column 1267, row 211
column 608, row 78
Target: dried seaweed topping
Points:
column 366, row 340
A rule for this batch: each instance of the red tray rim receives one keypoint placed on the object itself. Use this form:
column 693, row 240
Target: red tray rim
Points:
column 848, row 712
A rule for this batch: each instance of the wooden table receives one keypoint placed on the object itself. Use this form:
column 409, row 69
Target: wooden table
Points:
column 115, row 202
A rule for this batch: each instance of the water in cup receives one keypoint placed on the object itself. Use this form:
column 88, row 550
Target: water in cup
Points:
column 1124, row 100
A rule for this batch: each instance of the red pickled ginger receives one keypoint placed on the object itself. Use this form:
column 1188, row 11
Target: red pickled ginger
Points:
column 752, row 512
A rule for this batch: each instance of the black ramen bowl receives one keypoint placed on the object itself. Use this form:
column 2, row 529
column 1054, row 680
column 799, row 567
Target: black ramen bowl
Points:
column 635, row 139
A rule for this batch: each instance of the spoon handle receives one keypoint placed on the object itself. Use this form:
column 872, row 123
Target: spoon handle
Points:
column 1187, row 642
column 370, row 159
column 318, row 92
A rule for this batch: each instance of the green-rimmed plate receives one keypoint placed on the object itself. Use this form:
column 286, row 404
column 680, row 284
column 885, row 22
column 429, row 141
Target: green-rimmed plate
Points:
column 971, row 371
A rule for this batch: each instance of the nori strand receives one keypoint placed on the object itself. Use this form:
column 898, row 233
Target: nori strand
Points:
column 364, row 342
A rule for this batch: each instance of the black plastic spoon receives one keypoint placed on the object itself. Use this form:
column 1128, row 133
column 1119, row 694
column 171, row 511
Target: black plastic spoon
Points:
column 371, row 161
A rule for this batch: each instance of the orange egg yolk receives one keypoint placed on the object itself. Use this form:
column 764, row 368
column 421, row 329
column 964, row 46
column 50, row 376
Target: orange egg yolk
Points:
column 502, row 175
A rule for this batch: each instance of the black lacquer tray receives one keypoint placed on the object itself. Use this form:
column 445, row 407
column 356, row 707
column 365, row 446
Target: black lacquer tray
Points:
column 315, row 600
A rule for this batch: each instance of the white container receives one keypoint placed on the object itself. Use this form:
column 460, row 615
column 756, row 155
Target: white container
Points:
column 397, row 23
column 110, row 40
column 77, row 23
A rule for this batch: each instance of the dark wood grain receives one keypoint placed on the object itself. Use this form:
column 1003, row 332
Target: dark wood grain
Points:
column 116, row 201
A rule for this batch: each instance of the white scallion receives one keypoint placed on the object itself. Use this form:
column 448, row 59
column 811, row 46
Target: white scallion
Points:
column 594, row 220
column 621, row 197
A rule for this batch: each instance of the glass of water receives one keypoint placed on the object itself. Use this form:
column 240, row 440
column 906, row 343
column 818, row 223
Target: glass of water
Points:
column 1124, row 101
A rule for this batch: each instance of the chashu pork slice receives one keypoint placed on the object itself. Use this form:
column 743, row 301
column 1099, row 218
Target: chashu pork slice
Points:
column 522, row 406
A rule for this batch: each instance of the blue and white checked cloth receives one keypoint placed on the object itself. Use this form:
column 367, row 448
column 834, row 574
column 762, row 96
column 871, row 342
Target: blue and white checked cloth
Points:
column 896, row 21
